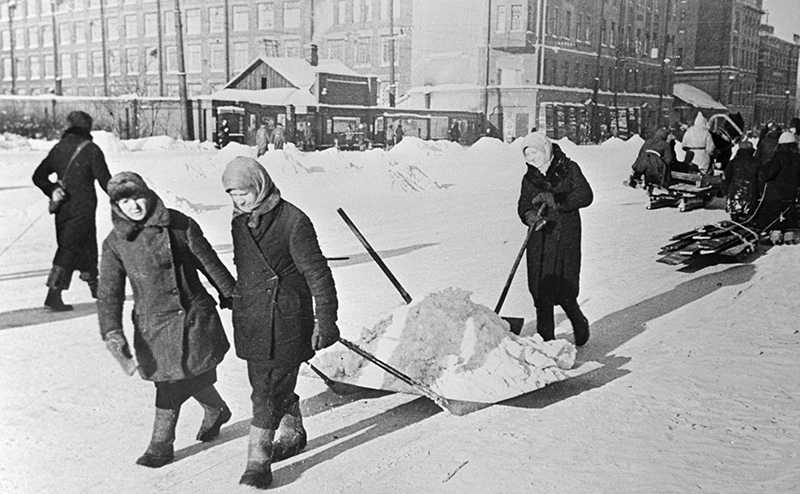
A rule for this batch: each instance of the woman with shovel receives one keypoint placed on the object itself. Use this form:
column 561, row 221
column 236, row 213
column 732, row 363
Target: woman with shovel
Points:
column 284, row 309
column 553, row 191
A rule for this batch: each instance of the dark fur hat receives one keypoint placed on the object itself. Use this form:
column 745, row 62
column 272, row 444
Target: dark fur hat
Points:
column 126, row 185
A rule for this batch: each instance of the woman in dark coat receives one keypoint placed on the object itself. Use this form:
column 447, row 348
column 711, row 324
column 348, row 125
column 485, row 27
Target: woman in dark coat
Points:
column 284, row 284
column 740, row 180
column 553, row 190
column 781, row 176
column 177, row 333
column 76, row 230
column 654, row 161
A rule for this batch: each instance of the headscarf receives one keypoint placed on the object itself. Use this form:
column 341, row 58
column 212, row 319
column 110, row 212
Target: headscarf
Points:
column 700, row 120
column 245, row 173
column 539, row 141
column 127, row 185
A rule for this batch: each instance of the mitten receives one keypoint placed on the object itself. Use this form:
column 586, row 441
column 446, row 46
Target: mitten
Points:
column 325, row 334
column 118, row 346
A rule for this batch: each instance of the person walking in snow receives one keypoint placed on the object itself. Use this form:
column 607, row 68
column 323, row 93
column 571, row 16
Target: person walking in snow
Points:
column 285, row 308
column 262, row 140
column 654, row 162
column 698, row 140
column 553, row 191
column 781, row 176
column 177, row 333
column 77, row 162
column 740, row 180
column 278, row 137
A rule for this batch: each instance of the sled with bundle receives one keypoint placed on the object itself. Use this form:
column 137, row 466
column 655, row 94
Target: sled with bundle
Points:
column 726, row 238
column 686, row 191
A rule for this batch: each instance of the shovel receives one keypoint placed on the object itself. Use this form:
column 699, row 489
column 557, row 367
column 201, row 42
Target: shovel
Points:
column 516, row 323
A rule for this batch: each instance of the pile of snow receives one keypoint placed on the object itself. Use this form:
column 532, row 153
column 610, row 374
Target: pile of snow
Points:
column 460, row 349
column 13, row 142
column 109, row 143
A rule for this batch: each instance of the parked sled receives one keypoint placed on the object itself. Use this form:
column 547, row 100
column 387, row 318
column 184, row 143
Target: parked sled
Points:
column 686, row 191
column 726, row 238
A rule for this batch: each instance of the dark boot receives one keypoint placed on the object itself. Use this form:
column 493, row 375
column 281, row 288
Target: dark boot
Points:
column 160, row 451
column 290, row 438
column 53, row 301
column 91, row 280
column 259, row 458
column 580, row 325
column 545, row 323
column 217, row 413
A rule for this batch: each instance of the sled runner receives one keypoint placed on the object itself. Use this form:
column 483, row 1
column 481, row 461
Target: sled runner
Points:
column 725, row 238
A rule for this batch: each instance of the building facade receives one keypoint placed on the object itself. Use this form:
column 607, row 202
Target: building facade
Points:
column 115, row 47
column 776, row 90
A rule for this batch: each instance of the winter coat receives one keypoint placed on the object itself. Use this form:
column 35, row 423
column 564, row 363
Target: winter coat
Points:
column 781, row 177
column 177, row 331
column 76, row 228
column 654, row 160
column 277, row 137
column 281, row 277
column 698, row 140
column 740, row 180
column 768, row 146
column 554, row 252
column 262, row 140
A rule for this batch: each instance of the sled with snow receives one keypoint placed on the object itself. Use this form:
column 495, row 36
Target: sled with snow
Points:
column 726, row 238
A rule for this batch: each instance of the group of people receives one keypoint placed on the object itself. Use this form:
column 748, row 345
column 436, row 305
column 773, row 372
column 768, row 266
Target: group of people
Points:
column 283, row 299
column 264, row 138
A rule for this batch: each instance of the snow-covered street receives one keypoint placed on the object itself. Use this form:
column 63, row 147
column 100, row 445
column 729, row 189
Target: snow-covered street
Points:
column 691, row 378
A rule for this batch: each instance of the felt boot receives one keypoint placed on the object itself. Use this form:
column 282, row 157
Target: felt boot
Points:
column 580, row 325
column 545, row 323
column 290, row 438
column 160, row 451
column 53, row 301
column 258, row 473
column 216, row 413
column 57, row 280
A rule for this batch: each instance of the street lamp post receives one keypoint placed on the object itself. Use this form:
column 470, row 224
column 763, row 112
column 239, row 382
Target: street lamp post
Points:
column 595, row 92
column 56, row 66
column 12, row 6
column 786, row 108
column 186, row 111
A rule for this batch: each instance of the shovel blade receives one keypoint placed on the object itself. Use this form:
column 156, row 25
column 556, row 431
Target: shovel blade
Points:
column 515, row 324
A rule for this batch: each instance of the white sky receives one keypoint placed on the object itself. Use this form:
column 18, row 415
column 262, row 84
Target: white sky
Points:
column 784, row 15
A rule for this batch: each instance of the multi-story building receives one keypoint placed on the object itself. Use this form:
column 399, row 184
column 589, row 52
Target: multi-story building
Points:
column 114, row 47
column 776, row 89
column 717, row 50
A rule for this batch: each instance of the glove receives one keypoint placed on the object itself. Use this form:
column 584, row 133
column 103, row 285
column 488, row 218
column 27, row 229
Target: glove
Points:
column 225, row 302
column 545, row 198
column 118, row 346
column 532, row 218
column 325, row 334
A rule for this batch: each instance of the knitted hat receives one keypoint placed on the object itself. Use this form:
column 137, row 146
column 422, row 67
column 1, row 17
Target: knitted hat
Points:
column 787, row 138
column 126, row 185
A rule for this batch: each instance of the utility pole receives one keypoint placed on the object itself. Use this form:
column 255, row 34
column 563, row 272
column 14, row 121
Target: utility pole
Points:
column 663, row 56
column 392, row 82
column 227, row 43
column 488, row 52
column 595, row 93
column 103, row 45
column 56, row 65
column 186, row 110
column 160, row 50
column 12, row 7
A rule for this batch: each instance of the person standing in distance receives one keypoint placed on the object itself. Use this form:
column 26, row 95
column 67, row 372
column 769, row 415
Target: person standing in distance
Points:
column 553, row 191
column 77, row 162
column 285, row 308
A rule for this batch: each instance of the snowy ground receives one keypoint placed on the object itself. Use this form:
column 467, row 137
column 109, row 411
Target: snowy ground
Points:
column 691, row 380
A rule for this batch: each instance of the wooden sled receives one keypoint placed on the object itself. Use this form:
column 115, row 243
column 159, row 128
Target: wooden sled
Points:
column 725, row 238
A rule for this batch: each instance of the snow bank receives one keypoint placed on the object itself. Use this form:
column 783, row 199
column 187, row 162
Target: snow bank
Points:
column 13, row 142
column 460, row 349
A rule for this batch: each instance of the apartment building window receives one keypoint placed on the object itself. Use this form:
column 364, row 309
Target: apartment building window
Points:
column 82, row 64
column 292, row 47
column 551, row 24
column 130, row 27
column 567, row 32
column 80, row 33
column 241, row 19
column 500, row 19
column 194, row 58
column 7, row 69
column 358, row 11
column 172, row 58
column 384, row 10
column 579, row 28
column 217, row 58
column 216, row 19
column 193, row 21
column 132, row 60
column 342, row 12
column 169, row 23
column 195, row 89
column 150, row 25
column 95, row 33
column 113, row 28
column 368, row 11
column 22, row 68
column 19, row 38
column 97, row 63
column 291, row 15
column 66, row 66
column 241, row 55
column 114, row 65
column 363, row 48
column 112, row 3
column 612, row 42
column 33, row 37
column 47, row 36
column 36, row 70
column 5, row 40
column 395, row 8
column 588, row 29
column 79, row 5
column 94, row 4
column 266, row 16
column 336, row 49
column 386, row 50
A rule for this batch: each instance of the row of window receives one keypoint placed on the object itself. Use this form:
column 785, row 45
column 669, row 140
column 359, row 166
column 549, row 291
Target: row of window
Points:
column 634, row 80
column 362, row 11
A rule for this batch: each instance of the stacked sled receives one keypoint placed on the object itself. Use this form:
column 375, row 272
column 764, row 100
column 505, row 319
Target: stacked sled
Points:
column 726, row 238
